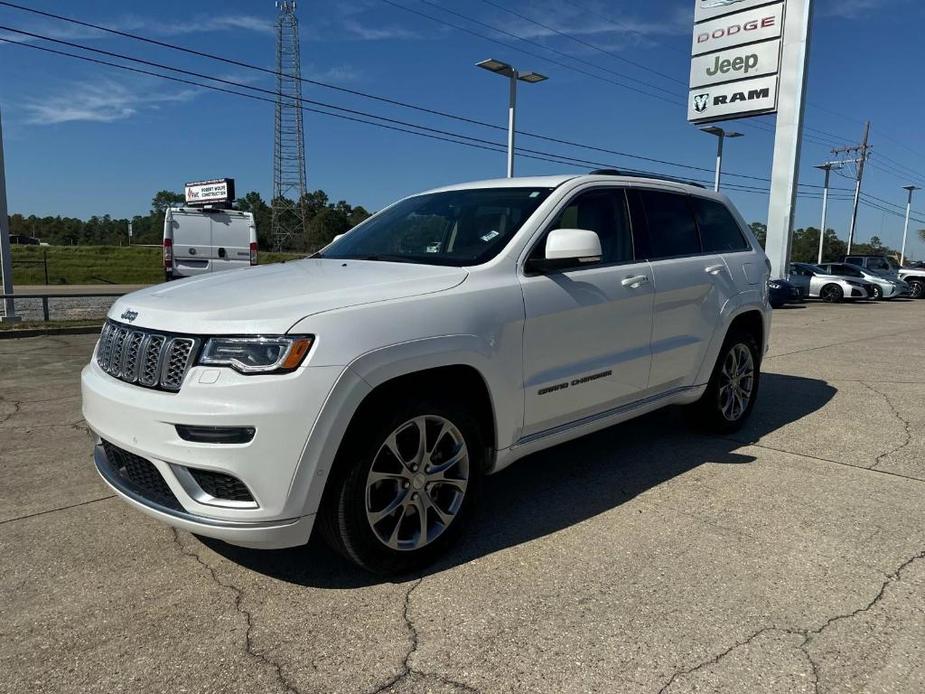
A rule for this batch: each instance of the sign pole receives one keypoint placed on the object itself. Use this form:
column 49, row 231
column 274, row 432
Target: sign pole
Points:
column 789, row 135
column 6, row 258
column 825, row 208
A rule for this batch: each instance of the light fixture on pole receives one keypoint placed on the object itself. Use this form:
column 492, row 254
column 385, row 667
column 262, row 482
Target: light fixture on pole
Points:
column 721, row 136
column 502, row 68
column 827, row 167
column 902, row 253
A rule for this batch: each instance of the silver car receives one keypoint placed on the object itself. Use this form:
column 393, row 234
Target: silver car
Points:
column 881, row 286
column 830, row 288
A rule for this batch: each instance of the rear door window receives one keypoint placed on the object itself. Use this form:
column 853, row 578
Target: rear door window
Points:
column 671, row 231
column 719, row 231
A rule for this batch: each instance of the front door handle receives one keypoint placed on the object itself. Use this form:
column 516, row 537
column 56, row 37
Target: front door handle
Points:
column 714, row 269
column 222, row 253
column 635, row 281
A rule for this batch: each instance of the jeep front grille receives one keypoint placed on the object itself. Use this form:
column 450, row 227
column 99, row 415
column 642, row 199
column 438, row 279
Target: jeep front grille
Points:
column 145, row 358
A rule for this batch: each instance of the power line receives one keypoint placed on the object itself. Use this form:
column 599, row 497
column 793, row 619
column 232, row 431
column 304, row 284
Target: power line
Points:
column 588, row 44
column 354, row 92
column 442, row 136
column 523, row 50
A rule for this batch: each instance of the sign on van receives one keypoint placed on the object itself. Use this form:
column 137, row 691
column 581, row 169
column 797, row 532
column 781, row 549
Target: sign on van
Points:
column 218, row 192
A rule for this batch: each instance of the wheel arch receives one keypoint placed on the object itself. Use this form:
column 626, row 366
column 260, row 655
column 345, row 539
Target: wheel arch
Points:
column 743, row 315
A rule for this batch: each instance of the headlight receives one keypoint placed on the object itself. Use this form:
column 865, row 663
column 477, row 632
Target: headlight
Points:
column 775, row 285
column 256, row 355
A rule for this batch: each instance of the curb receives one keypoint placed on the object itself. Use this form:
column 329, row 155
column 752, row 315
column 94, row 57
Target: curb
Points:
column 40, row 332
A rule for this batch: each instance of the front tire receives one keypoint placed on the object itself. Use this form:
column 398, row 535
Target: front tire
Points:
column 402, row 491
column 876, row 293
column 918, row 288
column 733, row 388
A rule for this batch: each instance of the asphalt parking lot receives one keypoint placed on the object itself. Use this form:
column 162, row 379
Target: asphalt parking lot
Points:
column 646, row 558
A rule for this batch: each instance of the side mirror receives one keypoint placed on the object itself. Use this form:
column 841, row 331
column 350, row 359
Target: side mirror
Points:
column 575, row 245
column 337, row 238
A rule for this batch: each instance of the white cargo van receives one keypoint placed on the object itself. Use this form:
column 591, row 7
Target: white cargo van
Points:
column 199, row 241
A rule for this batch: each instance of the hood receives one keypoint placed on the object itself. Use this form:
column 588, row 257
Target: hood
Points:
column 269, row 299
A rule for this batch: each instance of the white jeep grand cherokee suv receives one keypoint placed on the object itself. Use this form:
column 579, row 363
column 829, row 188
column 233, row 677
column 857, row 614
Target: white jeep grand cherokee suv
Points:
column 372, row 386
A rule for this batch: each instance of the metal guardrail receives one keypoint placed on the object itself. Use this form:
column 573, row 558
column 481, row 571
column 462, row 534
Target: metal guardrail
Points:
column 44, row 296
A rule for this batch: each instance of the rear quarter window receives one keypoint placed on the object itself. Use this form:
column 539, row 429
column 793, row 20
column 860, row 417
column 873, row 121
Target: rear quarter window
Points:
column 719, row 231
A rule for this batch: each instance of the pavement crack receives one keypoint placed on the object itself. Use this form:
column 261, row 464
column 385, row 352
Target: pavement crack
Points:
column 808, row 634
column 407, row 669
column 715, row 659
column 238, row 595
column 17, row 407
column 905, row 422
column 55, row 510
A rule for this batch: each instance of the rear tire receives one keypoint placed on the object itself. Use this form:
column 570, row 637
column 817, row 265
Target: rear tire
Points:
column 394, row 503
column 733, row 388
column 831, row 294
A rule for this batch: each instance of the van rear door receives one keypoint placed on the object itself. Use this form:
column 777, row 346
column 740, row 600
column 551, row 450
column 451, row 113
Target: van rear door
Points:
column 192, row 243
column 231, row 237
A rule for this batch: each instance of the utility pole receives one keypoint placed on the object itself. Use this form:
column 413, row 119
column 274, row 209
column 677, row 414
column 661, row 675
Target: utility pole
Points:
column 6, row 258
column 861, row 151
column 827, row 167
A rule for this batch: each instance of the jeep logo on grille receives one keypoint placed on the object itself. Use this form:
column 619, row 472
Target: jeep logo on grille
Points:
column 129, row 315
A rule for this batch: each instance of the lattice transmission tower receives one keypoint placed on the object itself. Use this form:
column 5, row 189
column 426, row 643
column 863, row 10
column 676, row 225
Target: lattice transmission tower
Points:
column 289, row 144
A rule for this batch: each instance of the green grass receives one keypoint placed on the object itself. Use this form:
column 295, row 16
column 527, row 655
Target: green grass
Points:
column 99, row 264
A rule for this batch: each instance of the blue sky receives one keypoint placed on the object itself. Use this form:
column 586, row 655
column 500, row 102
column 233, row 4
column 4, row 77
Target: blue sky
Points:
column 84, row 139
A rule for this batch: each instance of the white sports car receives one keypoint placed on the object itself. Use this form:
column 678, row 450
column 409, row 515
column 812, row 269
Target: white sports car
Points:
column 830, row 288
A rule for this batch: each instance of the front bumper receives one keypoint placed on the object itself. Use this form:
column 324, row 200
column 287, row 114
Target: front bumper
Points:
column 289, row 532
column 278, row 466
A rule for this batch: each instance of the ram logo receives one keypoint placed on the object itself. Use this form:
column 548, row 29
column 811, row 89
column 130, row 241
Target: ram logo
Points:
column 701, row 101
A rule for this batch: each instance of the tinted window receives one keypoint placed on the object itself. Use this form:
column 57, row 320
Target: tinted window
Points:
column 846, row 270
column 876, row 263
column 460, row 227
column 670, row 224
column 603, row 212
column 719, row 230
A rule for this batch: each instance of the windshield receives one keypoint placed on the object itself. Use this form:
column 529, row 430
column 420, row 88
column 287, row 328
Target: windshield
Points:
column 460, row 227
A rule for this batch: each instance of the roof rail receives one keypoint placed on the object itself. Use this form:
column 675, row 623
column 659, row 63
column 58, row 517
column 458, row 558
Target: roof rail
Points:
column 643, row 174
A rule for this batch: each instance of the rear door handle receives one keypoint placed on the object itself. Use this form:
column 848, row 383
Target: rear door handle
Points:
column 635, row 281
column 714, row 269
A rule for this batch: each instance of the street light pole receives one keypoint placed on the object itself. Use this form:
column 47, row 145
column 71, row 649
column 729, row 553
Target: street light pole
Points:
column 902, row 253
column 6, row 259
column 721, row 136
column 502, row 68
column 511, row 123
column 827, row 167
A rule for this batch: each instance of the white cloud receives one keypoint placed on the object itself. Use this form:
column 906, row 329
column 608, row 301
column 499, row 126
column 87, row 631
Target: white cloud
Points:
column 105, row 101
column 377, row 33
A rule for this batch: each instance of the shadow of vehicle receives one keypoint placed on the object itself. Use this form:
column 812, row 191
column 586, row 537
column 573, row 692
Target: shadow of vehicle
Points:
column 565, row 485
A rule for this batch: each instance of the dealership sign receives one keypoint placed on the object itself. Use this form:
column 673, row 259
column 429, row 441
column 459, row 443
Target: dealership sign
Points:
column 735, row 59
column 219, row 192
column 751, row 26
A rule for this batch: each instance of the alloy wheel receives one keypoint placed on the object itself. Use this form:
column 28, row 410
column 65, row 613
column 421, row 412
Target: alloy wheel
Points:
column 417, row 482
column 737, row 382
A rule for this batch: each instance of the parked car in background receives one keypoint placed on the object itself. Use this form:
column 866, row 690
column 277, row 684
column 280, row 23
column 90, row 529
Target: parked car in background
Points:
column 367, row 390
column 829, row 288
column 782, row 292
column 913, row 276
column 881, row 286
column 200, row 241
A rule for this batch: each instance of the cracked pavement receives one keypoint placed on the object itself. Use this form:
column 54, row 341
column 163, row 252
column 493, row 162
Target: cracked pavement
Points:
column 789, row 557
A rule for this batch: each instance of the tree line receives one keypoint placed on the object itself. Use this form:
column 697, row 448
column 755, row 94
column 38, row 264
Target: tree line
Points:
column 805, row 245
column 323, row 221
